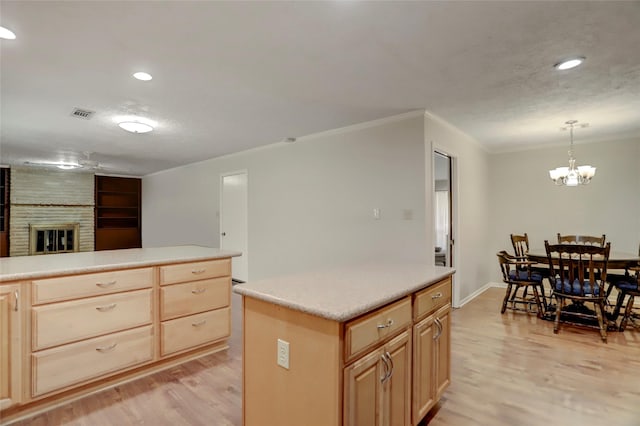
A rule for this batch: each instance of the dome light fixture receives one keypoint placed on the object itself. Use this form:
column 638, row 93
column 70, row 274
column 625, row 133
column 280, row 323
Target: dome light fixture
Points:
column 135, row 127
column 136, row 124
column 570, row 63
column 68, row 166
column 143, row 76
column 7, row 34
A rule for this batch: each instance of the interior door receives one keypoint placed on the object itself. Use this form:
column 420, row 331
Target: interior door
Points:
column 443, row 209
column 233, row 221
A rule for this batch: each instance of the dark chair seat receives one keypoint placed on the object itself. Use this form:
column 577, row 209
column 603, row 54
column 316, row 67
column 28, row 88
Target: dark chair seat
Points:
column 576, row 288
column 523, row 275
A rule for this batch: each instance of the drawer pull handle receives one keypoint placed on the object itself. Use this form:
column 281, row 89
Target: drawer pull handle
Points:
column 387, row 325
column 107, row 284
column 438, row 295
column 16, row 295
column 107, row 348
column 198, row 290
column 197, row 271
column 199, row 323
column 106, row 308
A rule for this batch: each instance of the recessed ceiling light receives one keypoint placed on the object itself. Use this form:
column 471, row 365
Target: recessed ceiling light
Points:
column 68, row 166
column 143, row 76
column 135, row 126
column 569, row 63
column 7, row 34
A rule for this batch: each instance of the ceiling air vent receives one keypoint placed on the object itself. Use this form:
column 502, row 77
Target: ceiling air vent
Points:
column 82, row 113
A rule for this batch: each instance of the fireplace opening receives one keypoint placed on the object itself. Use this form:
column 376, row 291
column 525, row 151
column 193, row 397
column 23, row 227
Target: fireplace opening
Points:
column 53, row 238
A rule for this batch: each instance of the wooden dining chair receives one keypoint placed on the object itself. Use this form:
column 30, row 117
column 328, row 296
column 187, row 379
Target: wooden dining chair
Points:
column 578, row 275
column 520, row 245
column 626, row 283
column 517, row 274
column 581, row 239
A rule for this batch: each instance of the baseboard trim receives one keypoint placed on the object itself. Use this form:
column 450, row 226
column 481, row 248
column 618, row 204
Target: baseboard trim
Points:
column 479, row 291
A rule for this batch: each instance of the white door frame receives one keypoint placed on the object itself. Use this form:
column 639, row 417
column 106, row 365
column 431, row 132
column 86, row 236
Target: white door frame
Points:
column 455, row 217
column 245, row 252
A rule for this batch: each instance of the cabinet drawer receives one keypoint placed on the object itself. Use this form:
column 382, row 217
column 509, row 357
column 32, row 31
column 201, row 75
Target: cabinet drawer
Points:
column 184, row 333
column 66, row 322
column 191, row 298
column 365, row 332
column 432, row 298
column 70, row 364
column 171, row 274
column 87, row 285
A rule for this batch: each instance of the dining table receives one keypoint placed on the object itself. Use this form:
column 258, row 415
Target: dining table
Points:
column 617, row 259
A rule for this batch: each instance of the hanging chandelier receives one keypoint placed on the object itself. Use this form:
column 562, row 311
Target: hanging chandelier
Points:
column 572, row 175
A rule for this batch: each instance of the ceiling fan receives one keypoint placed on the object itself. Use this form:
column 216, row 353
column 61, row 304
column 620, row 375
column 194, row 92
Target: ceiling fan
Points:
column 85, row 162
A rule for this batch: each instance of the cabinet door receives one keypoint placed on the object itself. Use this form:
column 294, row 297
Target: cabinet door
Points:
column 442, row 372
column 397, row 388
column 363, row 390
column 10, row 366
column 423, row 367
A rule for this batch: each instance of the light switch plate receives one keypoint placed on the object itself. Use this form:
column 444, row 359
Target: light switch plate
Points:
column 283, row 353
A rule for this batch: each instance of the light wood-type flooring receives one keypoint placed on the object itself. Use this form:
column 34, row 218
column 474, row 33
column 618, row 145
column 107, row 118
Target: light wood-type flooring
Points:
column 507, row 370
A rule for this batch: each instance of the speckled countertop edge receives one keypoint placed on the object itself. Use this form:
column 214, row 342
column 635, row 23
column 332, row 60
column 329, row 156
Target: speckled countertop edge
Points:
column 344, row 294
column 23, row 268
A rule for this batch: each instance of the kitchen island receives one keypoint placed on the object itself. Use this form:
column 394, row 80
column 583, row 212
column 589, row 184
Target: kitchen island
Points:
column 364, row 345
column 75, row 323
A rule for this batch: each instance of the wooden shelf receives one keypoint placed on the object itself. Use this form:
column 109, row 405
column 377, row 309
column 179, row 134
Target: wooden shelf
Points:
column 117, row 216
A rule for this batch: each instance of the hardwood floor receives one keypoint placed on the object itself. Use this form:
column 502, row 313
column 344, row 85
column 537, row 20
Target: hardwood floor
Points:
column 506, row 370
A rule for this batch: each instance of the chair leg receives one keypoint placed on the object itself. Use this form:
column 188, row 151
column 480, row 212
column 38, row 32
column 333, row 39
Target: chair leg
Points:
column 619, row 302
column 506, row 299
column 537, row 300
column 627, row 313
column 556, row 322
column 543, row 297
column 602, row 319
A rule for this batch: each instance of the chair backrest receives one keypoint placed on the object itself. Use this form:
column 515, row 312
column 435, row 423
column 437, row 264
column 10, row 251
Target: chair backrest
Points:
column 520, row 244
column 578, row 269
column 581, row 239
column 504, row 259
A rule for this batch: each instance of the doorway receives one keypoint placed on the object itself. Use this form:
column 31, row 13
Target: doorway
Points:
column 233, row 221
column 443, row 209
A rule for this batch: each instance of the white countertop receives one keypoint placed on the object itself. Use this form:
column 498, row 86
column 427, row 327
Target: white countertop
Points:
column 341, row 294
column 30, row 267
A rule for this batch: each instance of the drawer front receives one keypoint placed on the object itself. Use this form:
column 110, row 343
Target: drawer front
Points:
column 183, row 272
column 66, row 322
column 70, row 364
column 191, row 298
column 195, row 330
column 431, row 298
column 87, row 285
column 365, row 332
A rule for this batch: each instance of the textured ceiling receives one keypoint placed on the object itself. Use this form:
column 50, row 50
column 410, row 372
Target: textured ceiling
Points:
column 229, row 76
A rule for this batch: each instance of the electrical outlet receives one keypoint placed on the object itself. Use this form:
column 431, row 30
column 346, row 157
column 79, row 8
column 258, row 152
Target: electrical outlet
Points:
column 283, row 354
column 376, row 213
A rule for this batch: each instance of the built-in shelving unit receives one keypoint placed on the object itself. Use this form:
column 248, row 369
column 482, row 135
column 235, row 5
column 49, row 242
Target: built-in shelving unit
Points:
column 4, row 212
column 117, row 213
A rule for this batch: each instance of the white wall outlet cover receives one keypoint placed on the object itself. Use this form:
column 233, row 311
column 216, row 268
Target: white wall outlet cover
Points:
column 283, row 354
column 376, row 213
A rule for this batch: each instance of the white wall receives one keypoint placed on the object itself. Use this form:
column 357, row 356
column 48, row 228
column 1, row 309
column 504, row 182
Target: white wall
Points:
column 470, row 192
column 310, row 203
column 524, row 199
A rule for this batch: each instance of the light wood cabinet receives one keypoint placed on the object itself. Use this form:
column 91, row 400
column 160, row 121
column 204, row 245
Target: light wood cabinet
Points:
column 10, row 345
column 431, row 361
column 378, row 386
column 387, row 367
column 75, row 334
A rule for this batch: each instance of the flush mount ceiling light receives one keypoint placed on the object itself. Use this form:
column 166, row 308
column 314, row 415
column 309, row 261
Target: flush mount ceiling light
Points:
column 572, row 175
column 143, row 76
column 59, row 164
column 7, row 34
column 135, row 124
column 567, row 64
